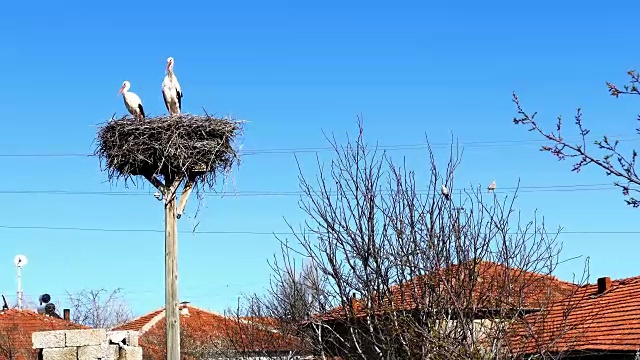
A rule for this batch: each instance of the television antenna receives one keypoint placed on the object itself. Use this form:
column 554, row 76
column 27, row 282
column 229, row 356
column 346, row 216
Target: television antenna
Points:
column 19, row 261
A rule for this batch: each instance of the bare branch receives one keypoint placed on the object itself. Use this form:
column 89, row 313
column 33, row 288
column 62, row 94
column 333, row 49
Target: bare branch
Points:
column 186, row 191
column 153, row 179
column 99, row 308
column 612, row 161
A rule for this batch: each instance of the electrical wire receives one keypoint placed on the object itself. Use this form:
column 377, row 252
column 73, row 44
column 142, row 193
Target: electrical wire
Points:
column 253, row 193
column 296, row 150
column 239, row 232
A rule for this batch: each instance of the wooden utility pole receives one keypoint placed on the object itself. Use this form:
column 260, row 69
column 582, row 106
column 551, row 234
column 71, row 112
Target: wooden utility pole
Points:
column 169, row 151
column 172, row 315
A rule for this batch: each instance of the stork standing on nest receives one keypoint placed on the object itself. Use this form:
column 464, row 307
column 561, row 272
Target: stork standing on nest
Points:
column 132, row 101
column 171, row 91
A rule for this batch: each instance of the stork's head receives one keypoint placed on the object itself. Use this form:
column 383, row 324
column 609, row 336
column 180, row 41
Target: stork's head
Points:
column 125, row 86
column 169, row 63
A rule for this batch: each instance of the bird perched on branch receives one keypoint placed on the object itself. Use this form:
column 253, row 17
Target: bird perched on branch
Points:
column 132, row 101
column 445, row 192
column 171, row 91
column 492, row 187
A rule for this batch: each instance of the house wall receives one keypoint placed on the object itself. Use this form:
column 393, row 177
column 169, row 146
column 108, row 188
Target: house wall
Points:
column 87, row 344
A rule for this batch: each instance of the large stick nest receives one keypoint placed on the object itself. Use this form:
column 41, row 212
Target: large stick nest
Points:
column 197, row 147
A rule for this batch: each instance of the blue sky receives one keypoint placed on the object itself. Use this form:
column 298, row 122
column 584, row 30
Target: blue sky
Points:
column 294, row 69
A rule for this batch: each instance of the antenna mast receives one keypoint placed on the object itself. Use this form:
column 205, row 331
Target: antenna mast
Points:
column 20, row 261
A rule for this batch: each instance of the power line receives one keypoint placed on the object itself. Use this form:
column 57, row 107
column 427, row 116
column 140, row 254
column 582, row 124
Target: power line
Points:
column 253, row 193
column 296, row 150
column 193, row 288
column 237, row 232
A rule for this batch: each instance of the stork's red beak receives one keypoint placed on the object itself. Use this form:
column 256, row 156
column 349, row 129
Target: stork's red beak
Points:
column 120, row 92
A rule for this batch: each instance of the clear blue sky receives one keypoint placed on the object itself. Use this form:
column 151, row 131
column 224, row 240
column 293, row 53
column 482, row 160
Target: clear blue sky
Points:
column 293, row 70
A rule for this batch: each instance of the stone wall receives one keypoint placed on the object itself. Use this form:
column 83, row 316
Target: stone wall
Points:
column 91, row 344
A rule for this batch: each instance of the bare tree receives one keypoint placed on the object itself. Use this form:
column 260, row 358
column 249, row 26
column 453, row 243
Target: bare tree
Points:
column 604, row 153
column 295, row 294
column 99, row 308
column 402, row 272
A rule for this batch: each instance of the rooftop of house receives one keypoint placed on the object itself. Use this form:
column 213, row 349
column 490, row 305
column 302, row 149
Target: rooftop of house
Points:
column 202, row 327
column 599, row 317
column 16, row 327
column 492, row 287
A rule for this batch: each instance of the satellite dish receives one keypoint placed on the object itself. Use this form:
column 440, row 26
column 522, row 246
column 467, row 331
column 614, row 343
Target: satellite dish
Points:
column 20, row 260
column 49, row 308
column 44, row 298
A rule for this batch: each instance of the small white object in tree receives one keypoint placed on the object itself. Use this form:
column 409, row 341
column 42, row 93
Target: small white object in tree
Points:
column 445, row 192
column 132, row 101
column 171, row 91
column 492, row 187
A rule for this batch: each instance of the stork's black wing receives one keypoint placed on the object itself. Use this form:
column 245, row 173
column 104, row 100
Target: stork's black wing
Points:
column 179, row 94
column 141, row 110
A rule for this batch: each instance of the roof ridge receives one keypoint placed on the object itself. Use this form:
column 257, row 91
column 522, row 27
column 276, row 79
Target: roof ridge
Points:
column 162, row 313
column 202, row 309
column 627, row 279
column 143, row 315
column 36, row 315
column 260, row 325
column 151, row 323
column 615, row 282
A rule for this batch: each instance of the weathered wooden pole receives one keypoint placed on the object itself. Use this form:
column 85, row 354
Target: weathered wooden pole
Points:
column 171, row 272
column 172, row 315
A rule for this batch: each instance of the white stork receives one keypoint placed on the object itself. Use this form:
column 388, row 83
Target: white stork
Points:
column 171, row 91
column 492, row 187
column 445, row 192
column 132, row 101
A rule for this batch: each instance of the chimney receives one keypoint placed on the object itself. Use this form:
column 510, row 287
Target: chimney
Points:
column 66, row 314
column 604, row 284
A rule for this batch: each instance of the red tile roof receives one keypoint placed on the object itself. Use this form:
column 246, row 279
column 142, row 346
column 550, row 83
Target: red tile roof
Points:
column 495, row 285
column 200, row 327
column 138, row 323
column 587, row 321
column 16, row 327
column 267, row 321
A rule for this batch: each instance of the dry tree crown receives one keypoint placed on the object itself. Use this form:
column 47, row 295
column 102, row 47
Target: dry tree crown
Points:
column 189, row 146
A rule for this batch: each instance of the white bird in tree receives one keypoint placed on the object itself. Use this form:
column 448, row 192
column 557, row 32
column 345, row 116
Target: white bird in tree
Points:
column 171, row 91
column 492, row 187
column 445, row 192
column 132, row 101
